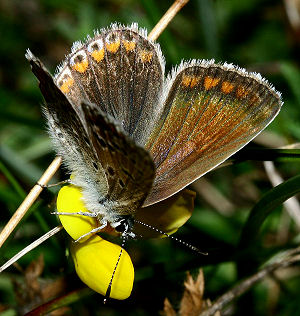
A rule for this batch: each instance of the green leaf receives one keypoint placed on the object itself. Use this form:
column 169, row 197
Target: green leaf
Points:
column 292, row 75
column 269, row 202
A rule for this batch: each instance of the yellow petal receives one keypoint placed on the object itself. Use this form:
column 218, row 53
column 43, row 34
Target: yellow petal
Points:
column 69, row 200
column 167, row 216
column 95, row 261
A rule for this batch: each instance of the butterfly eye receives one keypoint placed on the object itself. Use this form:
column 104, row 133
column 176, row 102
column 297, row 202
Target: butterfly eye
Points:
column 124, row 225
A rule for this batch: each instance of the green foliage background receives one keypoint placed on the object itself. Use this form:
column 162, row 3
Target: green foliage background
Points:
column 255, row 34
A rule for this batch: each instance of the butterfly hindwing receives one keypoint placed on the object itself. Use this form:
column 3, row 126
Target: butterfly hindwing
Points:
column 210, row 112
column 66, row 129
column 128, row 167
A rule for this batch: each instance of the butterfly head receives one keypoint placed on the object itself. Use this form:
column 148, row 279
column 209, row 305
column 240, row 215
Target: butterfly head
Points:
column 123, row 224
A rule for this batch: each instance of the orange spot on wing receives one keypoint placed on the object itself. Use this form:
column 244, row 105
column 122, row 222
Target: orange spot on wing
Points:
column 190, row 81
column 241, row 92
column 227, row 87
column 186, row 81
column 113, row 47
column 98, row 55
column 210, row 82
column 81, row 66
column 129, row 45
column 146, row 56
column 194, row 81
column 65, row 87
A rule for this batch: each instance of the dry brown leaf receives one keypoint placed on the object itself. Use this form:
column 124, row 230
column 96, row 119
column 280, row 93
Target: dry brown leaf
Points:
column 168, row 308
column 54, row 288
column 36, row 291
column 192, row 302
column 31, row 274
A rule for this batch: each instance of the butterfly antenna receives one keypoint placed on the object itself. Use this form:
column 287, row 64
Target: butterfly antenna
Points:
column 107, row 294
column 172, row 237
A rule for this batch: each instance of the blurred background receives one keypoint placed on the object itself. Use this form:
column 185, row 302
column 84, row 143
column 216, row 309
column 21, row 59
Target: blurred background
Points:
column 260, row 35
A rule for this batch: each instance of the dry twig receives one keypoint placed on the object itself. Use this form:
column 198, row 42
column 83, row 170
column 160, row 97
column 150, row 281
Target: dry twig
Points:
column 289, row 258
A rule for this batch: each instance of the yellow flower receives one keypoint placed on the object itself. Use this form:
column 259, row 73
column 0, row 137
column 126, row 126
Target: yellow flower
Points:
column 69, row 201
column 168, row 215
column 95, row 258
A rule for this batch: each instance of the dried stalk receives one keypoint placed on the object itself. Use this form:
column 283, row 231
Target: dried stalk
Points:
column 29, row 200
column 290, row 257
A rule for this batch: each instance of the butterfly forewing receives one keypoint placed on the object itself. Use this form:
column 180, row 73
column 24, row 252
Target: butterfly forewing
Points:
column 211, row 111
column 121, row 72
column 66, row 129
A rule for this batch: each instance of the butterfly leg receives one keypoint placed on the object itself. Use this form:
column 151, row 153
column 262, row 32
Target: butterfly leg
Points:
column 89, row 214
column 68, row 181
column 95, row 230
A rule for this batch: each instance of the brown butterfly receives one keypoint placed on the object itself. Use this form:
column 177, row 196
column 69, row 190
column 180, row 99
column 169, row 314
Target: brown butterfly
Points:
column 132, row 137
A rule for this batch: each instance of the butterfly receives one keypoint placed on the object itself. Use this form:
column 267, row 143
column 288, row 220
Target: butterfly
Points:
column 132, row 137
